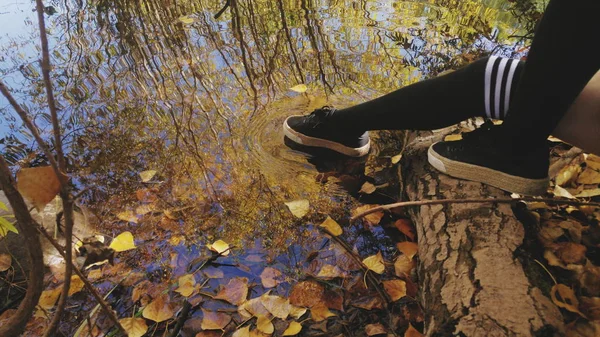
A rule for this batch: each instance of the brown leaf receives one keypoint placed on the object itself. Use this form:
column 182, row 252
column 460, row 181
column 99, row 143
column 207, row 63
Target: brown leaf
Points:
column 135, row 327
column 128, row 216
column 367, row 188
column 412, row 332
column 589, row 280
column 564, row 297
column 582, row 328
column 407, row 248
column 368, row 303
column 590, row 306
column 270, row 277
column 306, row 294
column 5, row 262
column 570, row 252
column 159, row 310
column 406, row 227
column 39, row 185
column 242, row 332
column 333, row 300
column 278, row 306
column 320, row 312
column 252, row 307
column 145, row 195
column 373, row 218
column 568, row 174
column 375, row 329
column 235, row 292
column 212, row 320
column 395, row 288
column 329, row 272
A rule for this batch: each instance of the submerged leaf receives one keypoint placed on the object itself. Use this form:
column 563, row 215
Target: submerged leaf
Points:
column 135, row 327
column 298, row 207
column 212, row 320
column 235, row 292
column 270, row 277
column 186, row 19
column 375, row 263
column 128, row 216
column 123, row 242
column 39, row 185
column 329, row 272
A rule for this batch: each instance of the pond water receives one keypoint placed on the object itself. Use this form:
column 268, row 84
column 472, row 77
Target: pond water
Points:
column 164, row 85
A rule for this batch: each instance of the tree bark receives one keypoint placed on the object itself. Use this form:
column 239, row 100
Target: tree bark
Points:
column 471, row 283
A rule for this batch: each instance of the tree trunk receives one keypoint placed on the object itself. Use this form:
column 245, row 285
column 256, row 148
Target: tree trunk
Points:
column 471, row 283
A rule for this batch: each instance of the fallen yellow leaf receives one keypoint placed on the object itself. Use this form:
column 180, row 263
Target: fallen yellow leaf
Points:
column 367, row 188
column 329, row 272
column 373, row 218
column 252, row 307
column 135, row 327
column 39, row 185
column 123, row 242
column 407, row 248
column 48, row 298
column 298, row 207
column 264, row 325
column 186, row 19
column 396, row 158
column 221, row 247
column 186, row 285
column 332, row 226
column 297, row 312
column 375, row 263
column 293, row 329
column 128, row 216
column 147, row 175
column 158, row 310
column 299, row 88
column 278, row 306
column 76, row 285
column 395, row 288
column 320, row 312
column 453, row 137
column 212, row 320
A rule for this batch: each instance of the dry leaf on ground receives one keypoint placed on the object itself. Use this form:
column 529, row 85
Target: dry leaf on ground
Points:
column 235, row 292
column 375, row 263
column 220, row 247
column 212, row 320
column 128, row 216
column 403, row 265
column 407, row 248
column 373, row 218
column 367, row 188
column 332, row 226
column 48, row 298
column 39, row 185
column 159, row 310
column 135, row 327
column 329, row 272
column 306, row 294
column 406, row 227
column 564, row 297
column 264, row 325
column 320, row 312
column 412, row 332
column 242, row 332
column 298, row 207
column 5, row 262
column 375, row 329
column 123, row 242
column 395, row 288
column 186, row 285
column 76, row 285
column 252, row 308
column 293, row 329
column 278, row 306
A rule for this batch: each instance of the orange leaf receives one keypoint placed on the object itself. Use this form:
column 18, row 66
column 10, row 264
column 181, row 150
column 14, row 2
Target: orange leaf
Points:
column 412, row 332
column 375, row 263
column 407, row 248
column 39, row 185
column 406, row 228
column 158, row 310
column 564, row 297
column 373, row 218
column 403, row 265
column 306, row 294
column 395, row 288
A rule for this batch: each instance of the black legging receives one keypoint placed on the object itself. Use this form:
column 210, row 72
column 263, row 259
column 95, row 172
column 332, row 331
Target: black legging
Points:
column 535, row 94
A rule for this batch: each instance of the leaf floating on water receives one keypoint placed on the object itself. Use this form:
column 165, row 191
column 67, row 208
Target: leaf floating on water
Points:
column 235, row 292
column 299, row 88
column 221, row 247
column 147, row 175
column 293, row 329
column 395, row 288
column 186, row 284
column 158, row 310
column 39, row 185
column 123, row 242
column 135, row 327
column 186, row 19
column 564, row 297
column 5, row 262
column 375, row 329
column 298, row 207
column 332, row 226
column 412, row 332
column 375, row 263
column 212, row 320
column 270, row 277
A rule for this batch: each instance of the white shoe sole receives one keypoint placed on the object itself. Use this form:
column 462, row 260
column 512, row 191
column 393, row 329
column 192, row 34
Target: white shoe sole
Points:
column 501, row 180
column 299, row 138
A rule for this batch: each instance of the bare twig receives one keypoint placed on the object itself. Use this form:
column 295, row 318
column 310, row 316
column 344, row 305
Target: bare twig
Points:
column 227, row 3
column 109, row 312
column 16, row 324
column 472, row 201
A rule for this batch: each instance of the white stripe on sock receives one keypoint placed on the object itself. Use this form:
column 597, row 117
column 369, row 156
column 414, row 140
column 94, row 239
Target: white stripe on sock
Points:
column 499, row 85
column 488, row 81
column 511, row 73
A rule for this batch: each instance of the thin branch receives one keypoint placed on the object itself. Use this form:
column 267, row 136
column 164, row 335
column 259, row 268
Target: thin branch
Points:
column 107, row 309
column 472, row 201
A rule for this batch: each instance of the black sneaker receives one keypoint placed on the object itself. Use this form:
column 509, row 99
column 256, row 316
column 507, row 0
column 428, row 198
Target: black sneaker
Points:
column 482, row 156
column 317, row 130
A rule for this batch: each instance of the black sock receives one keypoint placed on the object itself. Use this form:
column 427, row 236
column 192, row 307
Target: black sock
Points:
column 564, row 56
column 481, row 88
